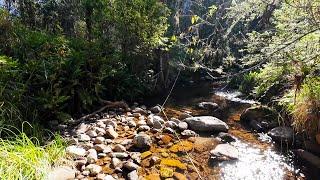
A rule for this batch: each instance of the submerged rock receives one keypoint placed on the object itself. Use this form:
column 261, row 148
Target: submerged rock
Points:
column 282, row 133
column 206, row 124
column 224, row 152
column 225, row 137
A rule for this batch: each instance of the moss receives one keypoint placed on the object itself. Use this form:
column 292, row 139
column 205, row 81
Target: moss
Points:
column 183, row 146
column 173, row 163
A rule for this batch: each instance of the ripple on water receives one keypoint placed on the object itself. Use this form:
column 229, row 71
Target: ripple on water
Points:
column 255, row 164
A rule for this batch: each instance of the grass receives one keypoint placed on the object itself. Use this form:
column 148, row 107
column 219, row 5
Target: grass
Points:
column 22, row 157
column 305, row 107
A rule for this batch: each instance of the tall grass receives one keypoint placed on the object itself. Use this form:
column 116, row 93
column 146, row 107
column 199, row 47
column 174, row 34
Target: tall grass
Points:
column 305, row 106
column 22, row 157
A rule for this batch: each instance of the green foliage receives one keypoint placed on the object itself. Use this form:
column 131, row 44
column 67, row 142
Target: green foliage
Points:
column 248, row 82
column 304, row 106
column 23, row 158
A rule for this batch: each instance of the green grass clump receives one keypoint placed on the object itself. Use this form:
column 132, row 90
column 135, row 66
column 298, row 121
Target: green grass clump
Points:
column 24, row 158
column 304, row 106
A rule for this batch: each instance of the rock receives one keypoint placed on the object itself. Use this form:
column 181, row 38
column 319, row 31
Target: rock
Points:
column 116, row 162
column 111, row 133
column 133, row 175
column 101, row 155
column 119, row 155
column 179, row 176
column 139, row 110
column 260, row 118
column 119, row 148
column 142, row 141
column 173, row 163
column 75, row 151
column 93, row 169
column 141, row 123
column 146, row 154
column 159, row 119
column 168, row 130
column 126, row 142
column 100, row 131
column 282, row 133
column 153, row 177
column 208, row 105
column 61, row 173
column 81, row 161
column 82, row 128
column 155, row 160
column 86, row 173
column 100, row 176
column 83, row 137
column 150, row 121
column 189, row 133
column 130, row 166
column 166, row 172
column 108, row 177
column 171, row 124
column 225, row 137
column 136, row 157
column 224, row 152
column 144, row 128
column 92, row 133
column 155, row 109
column 73, row 141
column 87, row 145
column 310, row 158
column 99, row 140
column 183, row 126
column 102, row 148
column 206, row 124
column 109, row 122
column 136, row 115
column 184, row 116
column 92, row 156
column 132, row 123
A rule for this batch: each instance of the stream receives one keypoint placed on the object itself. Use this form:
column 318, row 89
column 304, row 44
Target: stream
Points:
column 259, row 158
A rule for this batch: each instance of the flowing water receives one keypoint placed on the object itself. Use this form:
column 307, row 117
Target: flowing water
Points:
column 259, row 159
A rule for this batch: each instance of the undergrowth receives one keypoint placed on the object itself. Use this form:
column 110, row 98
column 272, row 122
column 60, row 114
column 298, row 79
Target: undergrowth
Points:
column 23, row 157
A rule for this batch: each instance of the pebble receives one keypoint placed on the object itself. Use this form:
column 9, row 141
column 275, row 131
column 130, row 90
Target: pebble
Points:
column 93, row 169
column 99, row 140
column 75, row 151
column 92, row 133
column 111, row 133
column 102, row 148
column 130, row 166
column 120, row 155
column 142, row 141
column 92, row 156
column 133, row 175
column 116, row 162
column 119, row 148
column 183, row 126
column 83, row 137
column 108, row 177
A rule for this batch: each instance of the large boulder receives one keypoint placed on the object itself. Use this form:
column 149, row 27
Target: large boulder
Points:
column 206, row 124
column 260, row 118
column 282, row 133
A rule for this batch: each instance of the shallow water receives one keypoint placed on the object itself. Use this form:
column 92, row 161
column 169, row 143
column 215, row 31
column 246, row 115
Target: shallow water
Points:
column 259, row 159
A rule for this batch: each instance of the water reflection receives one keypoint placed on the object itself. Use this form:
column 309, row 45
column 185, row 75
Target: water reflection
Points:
column 255, row 164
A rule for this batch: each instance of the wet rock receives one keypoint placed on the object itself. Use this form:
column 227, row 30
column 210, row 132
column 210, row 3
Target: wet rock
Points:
column 92, row 156
column 155, row 109
column 102, row 148
column 206, row 124
column 111, row 133
column 224, row 152
column 83, row 137
column 189, row 133
column 130, row 166
column 99, row 140
column 75, row 151
column 142, row 141
column 260, row 118
column 119, row 155
column 183, row 126
column 93, row 169
column 225, row 137
column 311, row 159
column 119, row 148
column 133, row 175
column 208, row 105
column 282, row 133
column 61, row 173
